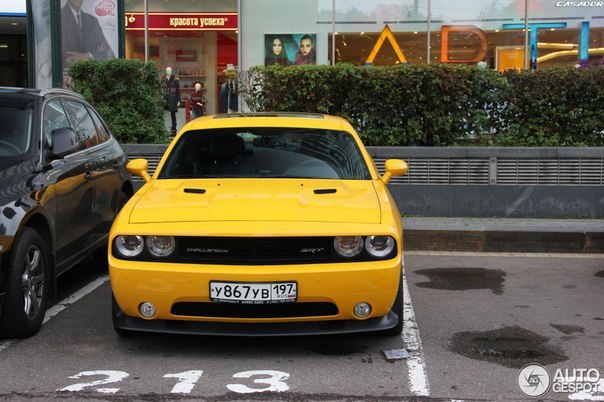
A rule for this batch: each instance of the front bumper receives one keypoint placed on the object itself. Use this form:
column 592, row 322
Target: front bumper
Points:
column 127, row 323
column 343, row 285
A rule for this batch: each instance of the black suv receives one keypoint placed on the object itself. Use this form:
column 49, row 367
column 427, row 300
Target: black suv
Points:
column 62, row 182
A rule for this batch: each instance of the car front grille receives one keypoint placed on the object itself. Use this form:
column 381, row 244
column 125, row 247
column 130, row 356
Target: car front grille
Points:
column 230, row 310
column 255, row 250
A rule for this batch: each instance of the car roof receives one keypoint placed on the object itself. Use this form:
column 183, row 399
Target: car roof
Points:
column 38, row 91
column 270, row 119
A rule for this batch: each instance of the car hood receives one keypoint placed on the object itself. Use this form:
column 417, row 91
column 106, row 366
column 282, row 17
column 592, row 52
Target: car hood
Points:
column 352, row 201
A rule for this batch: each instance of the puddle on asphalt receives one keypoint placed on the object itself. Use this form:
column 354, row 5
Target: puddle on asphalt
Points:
column 568, row 329
column 463, row 279
column 599, row 274
column 509, row 346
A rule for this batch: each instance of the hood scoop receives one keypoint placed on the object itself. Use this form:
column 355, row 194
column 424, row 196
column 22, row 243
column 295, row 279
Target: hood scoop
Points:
column 195, row 190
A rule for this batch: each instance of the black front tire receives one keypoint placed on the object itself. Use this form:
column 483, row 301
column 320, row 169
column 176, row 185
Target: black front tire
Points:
column 27, row 287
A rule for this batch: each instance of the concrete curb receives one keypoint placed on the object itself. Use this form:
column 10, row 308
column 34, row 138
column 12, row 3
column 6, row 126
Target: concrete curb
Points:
column 504, row 241
column 504, row 235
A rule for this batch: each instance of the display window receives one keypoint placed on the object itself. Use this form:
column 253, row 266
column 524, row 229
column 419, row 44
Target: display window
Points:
column 500, row 49
column 420, row 31
column 197, row 47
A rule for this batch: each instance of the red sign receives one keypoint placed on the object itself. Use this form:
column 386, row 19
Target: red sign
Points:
column 105, row 8
column 183, row 21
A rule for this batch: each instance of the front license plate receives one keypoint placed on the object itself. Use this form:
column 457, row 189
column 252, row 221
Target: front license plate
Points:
column 253, row 293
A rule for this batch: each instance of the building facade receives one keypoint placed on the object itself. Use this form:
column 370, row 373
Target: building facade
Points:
column 200, row 38
column 203, row 39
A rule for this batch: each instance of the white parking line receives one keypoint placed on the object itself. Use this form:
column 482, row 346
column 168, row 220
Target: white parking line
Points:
column 57, row 308
column 418, row 380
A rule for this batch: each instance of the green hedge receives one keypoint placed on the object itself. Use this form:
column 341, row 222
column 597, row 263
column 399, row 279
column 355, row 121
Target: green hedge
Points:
column 127, row 93
column 441, row 104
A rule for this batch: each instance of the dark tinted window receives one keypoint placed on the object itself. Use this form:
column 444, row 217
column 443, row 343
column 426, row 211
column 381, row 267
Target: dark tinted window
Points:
column 266, row 153
column 54, row 117
column 82, row 124
column 102, row 130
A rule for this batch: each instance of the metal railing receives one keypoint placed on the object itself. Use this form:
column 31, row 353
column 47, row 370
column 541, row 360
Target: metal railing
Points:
column 470, row 166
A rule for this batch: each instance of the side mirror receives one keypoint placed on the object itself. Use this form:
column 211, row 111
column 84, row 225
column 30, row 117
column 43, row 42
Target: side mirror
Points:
column 394, row 167
column 139, row 167
column 63, row 142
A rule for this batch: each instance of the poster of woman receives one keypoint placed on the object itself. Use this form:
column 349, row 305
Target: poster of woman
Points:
column 290, row 49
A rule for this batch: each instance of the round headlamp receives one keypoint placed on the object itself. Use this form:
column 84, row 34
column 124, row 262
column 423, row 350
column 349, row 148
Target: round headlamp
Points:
column 348, row 246
column 161, row 246
column 379, row 246
column 129, row 246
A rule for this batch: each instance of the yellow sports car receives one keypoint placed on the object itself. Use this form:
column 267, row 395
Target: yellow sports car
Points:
column 260, row 224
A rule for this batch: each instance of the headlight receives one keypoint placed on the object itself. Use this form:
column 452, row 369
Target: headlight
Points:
column 129, row 246
column 348, row 246
column 161, row 246
column 379, row 246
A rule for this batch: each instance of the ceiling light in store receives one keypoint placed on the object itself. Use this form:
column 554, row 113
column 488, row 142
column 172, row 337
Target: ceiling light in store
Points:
column 14, row 24
column 497, row 30
column 3, row 46
column 415, row 32
column 552, row 29
column 362, row 33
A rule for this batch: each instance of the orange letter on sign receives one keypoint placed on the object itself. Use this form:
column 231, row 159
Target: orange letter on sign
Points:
column 444, row 47
column 386, row 34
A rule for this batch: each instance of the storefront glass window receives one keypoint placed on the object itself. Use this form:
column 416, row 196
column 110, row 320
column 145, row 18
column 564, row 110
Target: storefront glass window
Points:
column 197, row 39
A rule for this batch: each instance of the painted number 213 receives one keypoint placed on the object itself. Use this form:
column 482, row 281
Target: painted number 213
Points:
column 269, row 380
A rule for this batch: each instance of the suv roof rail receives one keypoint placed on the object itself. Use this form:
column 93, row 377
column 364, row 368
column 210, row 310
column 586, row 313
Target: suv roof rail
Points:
column 62, row 91
column 270, row 114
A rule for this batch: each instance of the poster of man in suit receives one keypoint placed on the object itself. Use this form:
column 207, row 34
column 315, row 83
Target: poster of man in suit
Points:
column 88, row 30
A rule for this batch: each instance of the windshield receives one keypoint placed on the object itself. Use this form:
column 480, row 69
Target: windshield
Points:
column 15, row 126
column 266, row 153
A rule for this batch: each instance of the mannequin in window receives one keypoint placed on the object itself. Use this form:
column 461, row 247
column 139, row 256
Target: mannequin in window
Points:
column 81, row 35
column 198, row 102
column 171, row 96
column 228, row 91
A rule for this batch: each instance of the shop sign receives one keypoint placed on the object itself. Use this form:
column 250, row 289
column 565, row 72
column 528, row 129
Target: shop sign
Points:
column 183, row 21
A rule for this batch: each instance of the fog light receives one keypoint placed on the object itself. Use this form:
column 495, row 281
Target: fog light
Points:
column 362, row 310
column 147, row 309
